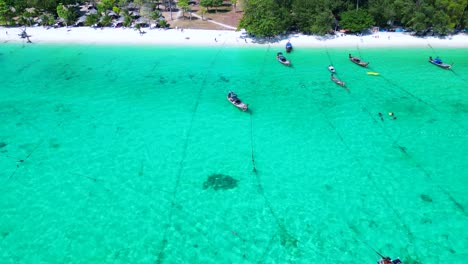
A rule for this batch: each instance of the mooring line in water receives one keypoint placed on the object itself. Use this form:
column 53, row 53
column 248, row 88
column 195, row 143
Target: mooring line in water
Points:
column 412, row 159
column 29, row 154
column 416, row 164
column 162, row 248
column 358, row 161
column 260, row 188
column 254, row 168
column 455, row 73
column 420, row 100
column 328, row 55
column 259, row 184
column 26, row 158
column 433, row 50
column 444, row 191
column 359, row 50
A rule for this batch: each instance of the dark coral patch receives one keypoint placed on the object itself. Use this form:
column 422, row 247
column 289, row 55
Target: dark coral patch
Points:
column 220, row 182
column 426, row 198
column 3, row 144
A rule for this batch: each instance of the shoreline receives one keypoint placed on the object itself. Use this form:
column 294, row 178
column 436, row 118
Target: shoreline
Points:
column 199, row 37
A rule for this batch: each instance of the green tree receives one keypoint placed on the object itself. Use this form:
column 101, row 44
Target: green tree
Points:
column 356, row 20
column 211, row 3
column 155, row 14
column 106, row 4
column 49, row 5
column 206, row 3
column 67, row 13
column 91, row 20
column 163, row 23
column 128, row 19
column 383, row 12
column 6, row 13
column 203, row 11
column 138, row 27
column 463, row 19
column 447, row 15
column 106, row 20
column 116, row 10
column 47, row 19
column 217, row 3
column 265, row 18
column 184, row 5
column 234, row 4
column 312, row 16
column 416, row 16
column 27, row 17
column 322, row 23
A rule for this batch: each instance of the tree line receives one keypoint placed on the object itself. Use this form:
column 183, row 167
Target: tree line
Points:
column 265, row 17
column 273, row 17
column 48, row 12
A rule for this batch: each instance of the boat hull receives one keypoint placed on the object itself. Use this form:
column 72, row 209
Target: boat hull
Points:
column 240, row 105
column 286, row 63
column 337, row 81
column 358, row 61
column 441, row 65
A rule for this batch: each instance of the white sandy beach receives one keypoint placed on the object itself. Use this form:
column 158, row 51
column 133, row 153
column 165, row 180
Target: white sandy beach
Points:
column 87, row 35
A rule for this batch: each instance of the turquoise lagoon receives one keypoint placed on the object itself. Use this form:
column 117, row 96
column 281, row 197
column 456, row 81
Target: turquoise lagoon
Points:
column 106, row 154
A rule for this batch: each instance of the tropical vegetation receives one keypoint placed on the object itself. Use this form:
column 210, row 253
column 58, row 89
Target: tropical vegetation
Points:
column 273, row 17
column 81, row 12
column 260, row 17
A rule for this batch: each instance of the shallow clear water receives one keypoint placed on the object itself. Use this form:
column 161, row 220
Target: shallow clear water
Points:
column 105, row 151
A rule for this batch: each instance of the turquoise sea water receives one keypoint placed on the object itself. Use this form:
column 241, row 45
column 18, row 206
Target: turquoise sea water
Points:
column 106, row 152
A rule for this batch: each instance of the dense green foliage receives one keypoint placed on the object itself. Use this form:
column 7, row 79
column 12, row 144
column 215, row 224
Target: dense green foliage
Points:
column 48, row 12
column 356, row 20
column 270, row 17
column 262, row 17
column 211, row 3
column 68, row 14
column 265, row 18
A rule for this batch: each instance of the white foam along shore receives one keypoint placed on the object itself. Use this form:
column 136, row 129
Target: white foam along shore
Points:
column 194, row 37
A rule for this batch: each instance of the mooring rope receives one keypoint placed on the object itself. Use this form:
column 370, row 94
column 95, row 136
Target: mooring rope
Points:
column 259, row 185
column 260, row 73
column 328, row 55
column 433, row 50
column 395, row 140
column 175, row 191
column 254, row 169
column 361, row 165
column 452, row 70
column 359, row 51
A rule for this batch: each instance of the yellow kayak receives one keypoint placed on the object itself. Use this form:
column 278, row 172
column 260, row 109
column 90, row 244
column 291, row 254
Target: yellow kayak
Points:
column 373, row 73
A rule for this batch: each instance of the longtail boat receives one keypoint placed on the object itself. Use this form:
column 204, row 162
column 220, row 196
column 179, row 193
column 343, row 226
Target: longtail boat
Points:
column 358, row 61
column 337, row 81
column 438, row 62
